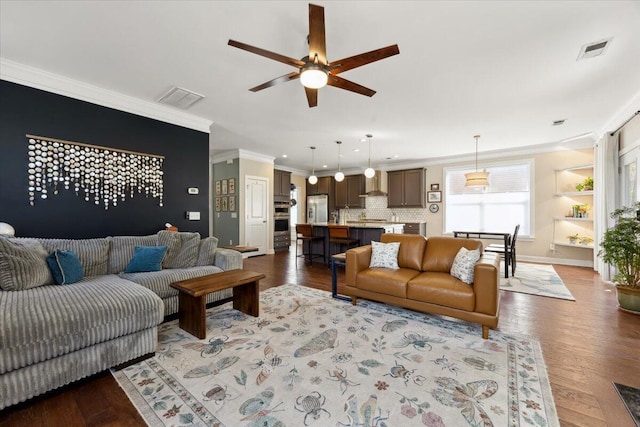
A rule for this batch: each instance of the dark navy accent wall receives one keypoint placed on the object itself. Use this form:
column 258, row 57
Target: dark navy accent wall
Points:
column 25, row 110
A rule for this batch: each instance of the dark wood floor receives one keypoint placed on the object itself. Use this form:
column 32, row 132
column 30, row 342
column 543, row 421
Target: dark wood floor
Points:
column 587, row 345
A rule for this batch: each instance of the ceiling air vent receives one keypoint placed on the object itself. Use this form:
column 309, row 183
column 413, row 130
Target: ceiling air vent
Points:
column 591, row 50
column 558, row 122
column 180, row 98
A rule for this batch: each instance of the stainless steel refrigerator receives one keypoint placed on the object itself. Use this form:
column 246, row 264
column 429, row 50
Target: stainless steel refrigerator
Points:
column 318, row 209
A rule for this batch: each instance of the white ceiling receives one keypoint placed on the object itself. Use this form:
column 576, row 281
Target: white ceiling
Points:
column 504, row 70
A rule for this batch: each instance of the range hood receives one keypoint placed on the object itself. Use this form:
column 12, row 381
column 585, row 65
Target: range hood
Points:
column 374, row 185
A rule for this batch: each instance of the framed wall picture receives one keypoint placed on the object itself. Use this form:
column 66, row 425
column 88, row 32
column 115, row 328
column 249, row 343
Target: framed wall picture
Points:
column 434, row 196
column 225, row 206
column 232, row 203
column 218, row 204
column 218, row 188
column 232, row 186
column 224, row 186
column 435, row 187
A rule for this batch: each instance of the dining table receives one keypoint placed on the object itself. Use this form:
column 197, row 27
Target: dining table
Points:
column 490, row 235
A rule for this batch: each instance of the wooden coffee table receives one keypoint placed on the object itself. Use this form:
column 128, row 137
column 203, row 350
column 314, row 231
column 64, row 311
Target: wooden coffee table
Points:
column 193, row 295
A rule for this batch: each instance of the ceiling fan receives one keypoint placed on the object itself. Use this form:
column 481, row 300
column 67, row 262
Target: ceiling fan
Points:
column 315, row 71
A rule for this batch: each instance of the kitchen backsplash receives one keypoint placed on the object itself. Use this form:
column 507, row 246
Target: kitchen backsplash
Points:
column 376, row 208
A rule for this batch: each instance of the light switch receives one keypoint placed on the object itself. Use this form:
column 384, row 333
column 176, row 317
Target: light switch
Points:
column 193, row 216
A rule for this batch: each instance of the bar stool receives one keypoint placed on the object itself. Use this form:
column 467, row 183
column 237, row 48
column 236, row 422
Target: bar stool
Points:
column 339, row 235
column 304, row 232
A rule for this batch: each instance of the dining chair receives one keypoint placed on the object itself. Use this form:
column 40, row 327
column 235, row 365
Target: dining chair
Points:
column 339, row 235
column 304, row 233
column 508, row 252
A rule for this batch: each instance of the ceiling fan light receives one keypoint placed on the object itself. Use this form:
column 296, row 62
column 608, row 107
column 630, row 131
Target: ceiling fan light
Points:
column 369, row 172
column 477, row 179
column 339, row 176
column 313, row 76
column 313, row 180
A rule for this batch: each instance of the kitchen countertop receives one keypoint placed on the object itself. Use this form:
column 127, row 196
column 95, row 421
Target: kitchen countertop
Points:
column 363, row 224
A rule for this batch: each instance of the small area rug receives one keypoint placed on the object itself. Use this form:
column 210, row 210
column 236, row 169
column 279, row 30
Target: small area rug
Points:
column 536, row 279
column 631, row 398
column 311, row 360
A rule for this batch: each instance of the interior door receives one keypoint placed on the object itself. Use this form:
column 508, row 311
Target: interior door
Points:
column 257, row 213
column 630, row 177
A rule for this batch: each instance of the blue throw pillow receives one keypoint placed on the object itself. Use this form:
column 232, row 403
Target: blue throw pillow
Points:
column 65, row 267
column 146, row 258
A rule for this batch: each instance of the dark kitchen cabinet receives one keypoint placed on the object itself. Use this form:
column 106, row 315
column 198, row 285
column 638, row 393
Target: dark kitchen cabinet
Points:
column 324, row 186
column 348, row 192
column 406, row 189
column 281, row 183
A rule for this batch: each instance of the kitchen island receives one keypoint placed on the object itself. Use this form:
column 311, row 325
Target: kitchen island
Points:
column 364, row 231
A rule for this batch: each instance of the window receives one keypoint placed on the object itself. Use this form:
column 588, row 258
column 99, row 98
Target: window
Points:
column 507, row 200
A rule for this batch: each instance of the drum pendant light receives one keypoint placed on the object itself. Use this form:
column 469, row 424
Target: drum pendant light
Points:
column 477, row 179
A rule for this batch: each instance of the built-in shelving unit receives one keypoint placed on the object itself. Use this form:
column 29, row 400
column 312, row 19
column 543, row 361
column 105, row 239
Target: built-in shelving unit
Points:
column 567, row 221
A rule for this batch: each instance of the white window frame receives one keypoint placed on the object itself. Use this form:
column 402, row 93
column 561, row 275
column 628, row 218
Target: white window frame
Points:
column 471, row 166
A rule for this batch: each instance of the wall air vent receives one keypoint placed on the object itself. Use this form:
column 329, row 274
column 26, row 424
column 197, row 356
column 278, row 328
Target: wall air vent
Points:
column 558, row 122
column 591, row 50
column 180, row 98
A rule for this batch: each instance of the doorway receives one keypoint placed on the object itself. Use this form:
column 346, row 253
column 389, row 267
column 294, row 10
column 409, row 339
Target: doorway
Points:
column 257, row 213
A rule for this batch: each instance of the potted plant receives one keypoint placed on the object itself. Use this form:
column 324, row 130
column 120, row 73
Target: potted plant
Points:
column 588, row 183
column 620, row 247
column 573, row 239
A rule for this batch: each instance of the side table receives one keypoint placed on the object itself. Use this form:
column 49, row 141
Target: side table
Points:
column 337, row 260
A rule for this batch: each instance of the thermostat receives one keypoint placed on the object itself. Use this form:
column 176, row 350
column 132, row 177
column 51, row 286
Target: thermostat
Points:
column 193, row 190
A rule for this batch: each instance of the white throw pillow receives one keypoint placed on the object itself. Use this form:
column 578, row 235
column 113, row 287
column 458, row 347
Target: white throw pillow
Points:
column 464, row 264
column 384, row 255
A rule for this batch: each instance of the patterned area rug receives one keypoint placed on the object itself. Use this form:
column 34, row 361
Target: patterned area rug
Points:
column 536, row 279
column 310, row 360
column 631, row 398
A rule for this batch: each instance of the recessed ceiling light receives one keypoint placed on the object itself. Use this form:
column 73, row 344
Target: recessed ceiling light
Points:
column 284, row 155
column 395, row 156
column 356, row 150
column 363, row 140
column 325, row 166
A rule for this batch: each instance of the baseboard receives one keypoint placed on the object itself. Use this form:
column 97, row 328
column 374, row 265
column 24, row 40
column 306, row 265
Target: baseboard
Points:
column 561, row 261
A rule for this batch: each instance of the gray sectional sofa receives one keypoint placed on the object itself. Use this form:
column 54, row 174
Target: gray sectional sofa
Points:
column 51, row 335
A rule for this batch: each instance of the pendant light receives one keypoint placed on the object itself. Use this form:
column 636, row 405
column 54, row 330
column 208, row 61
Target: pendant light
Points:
column 369, row 172
column 313, row 179
column 339, row 176
column 477, row 179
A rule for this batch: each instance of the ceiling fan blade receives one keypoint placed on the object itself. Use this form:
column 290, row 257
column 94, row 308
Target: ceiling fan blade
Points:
column 317, row 45
column 282, row 79
column 345, row 84
column 363, row 59
column 267, row 54
column 312, row 97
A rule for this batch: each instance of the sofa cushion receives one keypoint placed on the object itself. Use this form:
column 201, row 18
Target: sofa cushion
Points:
column 386, row 281
column 159, row 281
column 146, row 258
column 442, row 289
column 46, row 322
column 411, row 249
column 207, row 251
column 384, row 255
column 183, row 248
column 23, row 264
column 122, row 248
column 464, row 263
column 65, row 267
column 92, row 253
column 441, row 251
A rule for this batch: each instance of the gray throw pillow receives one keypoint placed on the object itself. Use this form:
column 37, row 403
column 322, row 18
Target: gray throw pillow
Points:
column 182, row 248
column 207, row 252
column 23, row 264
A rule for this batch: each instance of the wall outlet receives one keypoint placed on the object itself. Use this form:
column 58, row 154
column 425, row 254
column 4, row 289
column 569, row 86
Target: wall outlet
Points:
column 230, row 242
column 552, row 247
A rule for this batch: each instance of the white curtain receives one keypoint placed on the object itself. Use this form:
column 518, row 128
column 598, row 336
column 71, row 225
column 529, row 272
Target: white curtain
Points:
column 606, row 194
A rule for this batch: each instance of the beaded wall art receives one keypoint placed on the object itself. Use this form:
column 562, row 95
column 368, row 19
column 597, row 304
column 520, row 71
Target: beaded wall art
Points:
column 101, row 175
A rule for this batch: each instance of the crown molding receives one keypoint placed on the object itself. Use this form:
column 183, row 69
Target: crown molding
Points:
column 242, row 154
column 39, row 79
column 294, row 171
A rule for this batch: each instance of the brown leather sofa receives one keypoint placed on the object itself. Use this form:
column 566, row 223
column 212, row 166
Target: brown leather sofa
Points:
column 423, row 282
